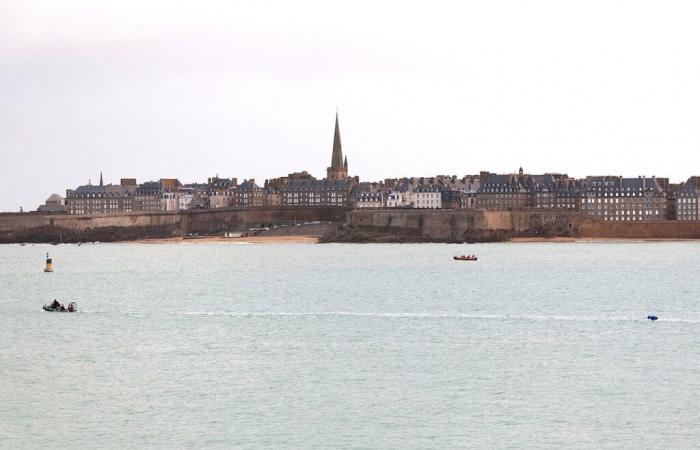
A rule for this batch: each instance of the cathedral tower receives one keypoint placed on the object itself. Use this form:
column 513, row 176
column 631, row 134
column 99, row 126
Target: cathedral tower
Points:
column 339, row 167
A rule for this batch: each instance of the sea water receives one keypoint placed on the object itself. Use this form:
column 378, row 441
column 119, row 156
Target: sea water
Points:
column 351, row 346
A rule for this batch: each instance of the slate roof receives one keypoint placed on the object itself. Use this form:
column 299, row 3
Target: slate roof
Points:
column 620, row 184
column 363, row 187
column 686, row 190
column 317, row 185
column 220, row 182
column 149, row 188
column 641, row 184
column 539, row 183
column 110, row 190
column 501, row 183
column 428, row 188
column 248, row 186
column 369, row 196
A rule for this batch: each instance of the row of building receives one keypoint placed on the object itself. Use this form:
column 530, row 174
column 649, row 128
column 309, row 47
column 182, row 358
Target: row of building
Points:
column 610, row 198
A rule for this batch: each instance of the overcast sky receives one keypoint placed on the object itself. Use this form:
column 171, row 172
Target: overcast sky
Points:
column 152, row 89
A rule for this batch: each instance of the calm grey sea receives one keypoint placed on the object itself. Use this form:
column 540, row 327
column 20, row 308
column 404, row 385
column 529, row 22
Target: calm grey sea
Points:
column 351, row 346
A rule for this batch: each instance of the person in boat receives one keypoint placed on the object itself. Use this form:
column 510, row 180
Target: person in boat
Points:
column 55, row 304
column 63, row 308
column 71, row 307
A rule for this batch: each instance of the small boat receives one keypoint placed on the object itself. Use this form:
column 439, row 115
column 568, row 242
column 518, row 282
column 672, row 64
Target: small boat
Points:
column 72, row 307
column 465, row 258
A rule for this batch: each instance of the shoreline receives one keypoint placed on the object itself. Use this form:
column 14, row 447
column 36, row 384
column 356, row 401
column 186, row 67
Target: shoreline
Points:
column 225, row 240
column 584, row 240
column 316, row 240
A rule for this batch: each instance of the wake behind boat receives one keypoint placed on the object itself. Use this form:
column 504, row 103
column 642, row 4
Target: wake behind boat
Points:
column 59, row 307
column 465, row 258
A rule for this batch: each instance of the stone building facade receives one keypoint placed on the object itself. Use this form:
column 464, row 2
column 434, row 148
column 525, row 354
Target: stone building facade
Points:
column 248, row 195
column 427, row 197
column 553, row 191
column 110, row 199
column 148, row 196
column 502, row 192
column 219, row 191
column 317, row 192
column 687, row 201
column 612, row 198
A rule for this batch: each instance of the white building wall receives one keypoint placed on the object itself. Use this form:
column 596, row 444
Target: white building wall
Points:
column 427, row 200
column 397, row 199
column 185, row 200
column 169, row 201
column 369, row 204
column 218, row 201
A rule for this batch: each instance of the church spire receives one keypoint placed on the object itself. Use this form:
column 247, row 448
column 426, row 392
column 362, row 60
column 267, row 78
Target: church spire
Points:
column 101, row 178
column 339, row 167
column 337, row 160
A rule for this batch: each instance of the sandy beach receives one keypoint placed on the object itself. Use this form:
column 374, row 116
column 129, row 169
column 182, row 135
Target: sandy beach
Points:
column 241, row 240
column 584, row 239
column 315, row 240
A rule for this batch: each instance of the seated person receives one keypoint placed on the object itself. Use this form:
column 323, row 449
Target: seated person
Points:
column 55, row 304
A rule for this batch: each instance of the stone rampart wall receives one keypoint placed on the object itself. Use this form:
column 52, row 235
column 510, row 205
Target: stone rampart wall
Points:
column 663, row 229
column 383, row 225
column 34, row 227
column 428, row 223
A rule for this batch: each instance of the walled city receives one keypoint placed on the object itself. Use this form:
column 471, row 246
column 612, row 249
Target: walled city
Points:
column 483, row 206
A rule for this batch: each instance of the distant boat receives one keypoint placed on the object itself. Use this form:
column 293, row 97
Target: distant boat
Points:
column 465, row 258
column 57, row 307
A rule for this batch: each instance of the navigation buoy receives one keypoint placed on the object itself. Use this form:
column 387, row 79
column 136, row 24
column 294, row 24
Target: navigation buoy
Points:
column 49, row 264
column 652, row 318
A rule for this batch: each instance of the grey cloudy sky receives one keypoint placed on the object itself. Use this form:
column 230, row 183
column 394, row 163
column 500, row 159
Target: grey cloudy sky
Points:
column 151, row 89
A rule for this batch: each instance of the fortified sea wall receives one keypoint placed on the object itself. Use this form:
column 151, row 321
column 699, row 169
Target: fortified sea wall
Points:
column 369, row 225
column 466, row 225
column 663, row 229
column 36, row 227
column 411, row 225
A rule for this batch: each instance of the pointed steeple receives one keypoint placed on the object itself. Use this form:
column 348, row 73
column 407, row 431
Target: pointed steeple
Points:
column 339, row 167
column 337, row 159
column 101, row 184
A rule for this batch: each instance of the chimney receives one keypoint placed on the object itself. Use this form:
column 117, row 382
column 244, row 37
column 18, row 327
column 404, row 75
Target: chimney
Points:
column 483, row 176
